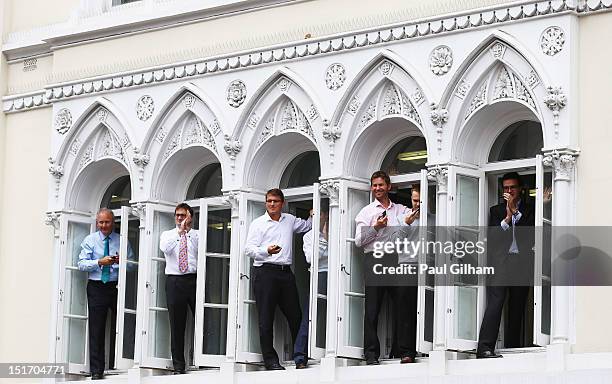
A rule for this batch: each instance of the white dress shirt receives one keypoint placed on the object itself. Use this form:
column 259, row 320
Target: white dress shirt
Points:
column 515, row 218
column 366, row 235
column 169, row 244
column 307, row 247
column 264, row 232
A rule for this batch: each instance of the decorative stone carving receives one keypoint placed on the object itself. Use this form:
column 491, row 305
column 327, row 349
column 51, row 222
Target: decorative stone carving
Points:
column 331, row 134
column 292, row 118
column 63, row 121
column 392, row 103
column 368, row 115
column 440, row 60
column 504, row 89
column 409, row 110
column 555, row 100
column 193, row 132
column 57, row 171
column 267, row 131
column 161, row 135
column 74, row 148
column 173, row 145
column 439, row 117
column 312, row 113
column 236, row 93
column 532, row 79
column 253, row 120
column 232, row 198
column 102, row 114
column 386, row 68
column 497, row 50
column 522, row 93
column 562, row 162
column 145, row 107
column 110, row 147
column 479, row 99
column 215, row 127
column 141, row 160
column 418, row 97
column 232, row 147
column 189, row 101
column 335, row 76
column 552, row 40
column 331, row 188
column 87, row 157
column 462, row 89
column 140, row 210
column 440, row 175
column 354, row 105
column 283, row 84
column 53, row 219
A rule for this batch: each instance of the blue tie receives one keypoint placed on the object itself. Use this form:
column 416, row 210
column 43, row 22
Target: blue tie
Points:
column 106, row 269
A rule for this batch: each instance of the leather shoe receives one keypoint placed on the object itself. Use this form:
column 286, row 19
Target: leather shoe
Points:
column 97, row 376
column 488, row 355
column 407, row 360
column 178, row 372
column 274, row 367
column 372, row 361
column 301, row 365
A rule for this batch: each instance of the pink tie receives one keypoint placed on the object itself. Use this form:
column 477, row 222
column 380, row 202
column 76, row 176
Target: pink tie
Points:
column 183, row 264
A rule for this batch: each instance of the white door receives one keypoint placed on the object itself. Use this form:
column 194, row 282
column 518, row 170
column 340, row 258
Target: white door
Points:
column 156, row 322
column 425, row 291
column 542, row 264
column 465, row 294
column 127, row 287
column 351, row 293
column 72, row 344
column 317, row 316
column 252, row 205
column 211, row 320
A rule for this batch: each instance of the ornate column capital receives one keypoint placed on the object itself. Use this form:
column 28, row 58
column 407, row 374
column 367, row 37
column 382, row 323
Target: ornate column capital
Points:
column 140, row 210
column 52, row 218
column 439, row 117
column 555, row 100
column 331, row 188
column 562, row 161
column 440, row 175
column 232, row 198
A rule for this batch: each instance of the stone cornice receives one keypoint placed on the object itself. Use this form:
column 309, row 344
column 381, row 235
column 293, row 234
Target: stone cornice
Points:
column 304, row 48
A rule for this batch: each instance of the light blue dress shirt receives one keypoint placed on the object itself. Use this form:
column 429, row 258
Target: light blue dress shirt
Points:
column 92, row 249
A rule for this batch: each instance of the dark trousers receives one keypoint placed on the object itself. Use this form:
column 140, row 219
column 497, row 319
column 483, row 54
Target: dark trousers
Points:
column 496, row 295
column 275, row 286
column 404, row 303
column 300, row 349
column 101, row 298
column 180, row 294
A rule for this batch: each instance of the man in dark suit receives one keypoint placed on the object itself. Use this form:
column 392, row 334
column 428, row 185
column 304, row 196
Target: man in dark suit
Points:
column 510, row 250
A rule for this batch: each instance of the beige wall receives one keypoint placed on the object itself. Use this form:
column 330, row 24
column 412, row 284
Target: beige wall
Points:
column 594, row 304
column 26, row 247
column 25, row 15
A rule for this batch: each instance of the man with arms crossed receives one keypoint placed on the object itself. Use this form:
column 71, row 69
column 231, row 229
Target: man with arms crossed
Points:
column 180, row 248
column 511, row 250
column 100, row 258
column 269, row 243
column 374, row 223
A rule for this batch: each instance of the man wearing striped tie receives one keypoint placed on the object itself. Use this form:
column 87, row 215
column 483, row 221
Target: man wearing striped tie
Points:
column 100, row 258
column 180, row 248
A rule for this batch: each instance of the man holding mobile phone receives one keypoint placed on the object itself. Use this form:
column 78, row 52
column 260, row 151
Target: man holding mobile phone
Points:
column 375, row 223
column 180, row 248
column 269, row 243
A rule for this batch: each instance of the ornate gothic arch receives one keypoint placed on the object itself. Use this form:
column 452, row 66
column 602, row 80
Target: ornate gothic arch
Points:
column 98, row 136
column 384, row 96
column 498, row 84
column 283, row 105
column 186, row 136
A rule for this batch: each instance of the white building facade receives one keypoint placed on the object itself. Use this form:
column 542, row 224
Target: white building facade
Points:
column 450, row 100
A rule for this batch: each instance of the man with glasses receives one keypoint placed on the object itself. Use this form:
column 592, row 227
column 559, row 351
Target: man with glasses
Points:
column 270, row 244
column 180, row 248
column 510, row 244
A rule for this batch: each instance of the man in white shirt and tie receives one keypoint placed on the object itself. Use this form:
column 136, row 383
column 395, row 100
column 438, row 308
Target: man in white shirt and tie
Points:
column 180, row 248
column 270, row 243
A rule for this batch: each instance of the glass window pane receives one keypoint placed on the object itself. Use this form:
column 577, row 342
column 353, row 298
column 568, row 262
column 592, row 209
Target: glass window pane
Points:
column 520, row 140
column 76, row 233
column 206, row 183
column 159, row 334
column 217, row 280
column 467, row 201
column 75, row 293
column 129, row 335
column 321, row 320
column 252, row 327
column 354, row 321
column 75, row 340
column 429, row 314
column 118, row 194
column 219, row 231
column 407, row 156
column 465, row 306
column 215, row 331
column 305, row 169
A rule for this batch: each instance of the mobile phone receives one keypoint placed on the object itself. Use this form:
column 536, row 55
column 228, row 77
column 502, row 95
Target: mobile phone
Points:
column 383, row 215
column 278, row 247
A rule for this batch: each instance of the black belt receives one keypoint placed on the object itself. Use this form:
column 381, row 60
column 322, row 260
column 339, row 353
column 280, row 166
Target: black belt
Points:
column 278, row 267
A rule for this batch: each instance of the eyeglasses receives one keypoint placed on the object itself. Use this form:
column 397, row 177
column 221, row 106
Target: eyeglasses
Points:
column 180, row 215
column 510, row 187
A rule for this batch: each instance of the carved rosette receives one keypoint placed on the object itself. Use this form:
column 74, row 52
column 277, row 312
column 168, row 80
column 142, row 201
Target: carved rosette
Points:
column 497, row 50
column 439, row 117
column 283, row 85
column 335, row 76
column 189, row 101
column 555, row 100
column 386, row 68
column 440, row 175
column 63, row 121
column 236, row 93
column 57, row 171
column 52, row 218
column 145, row 108
column 141, row 160
column 232, row 198
column 552, row 40
column 331, row 188
column 562, row 162
column 441, row 60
